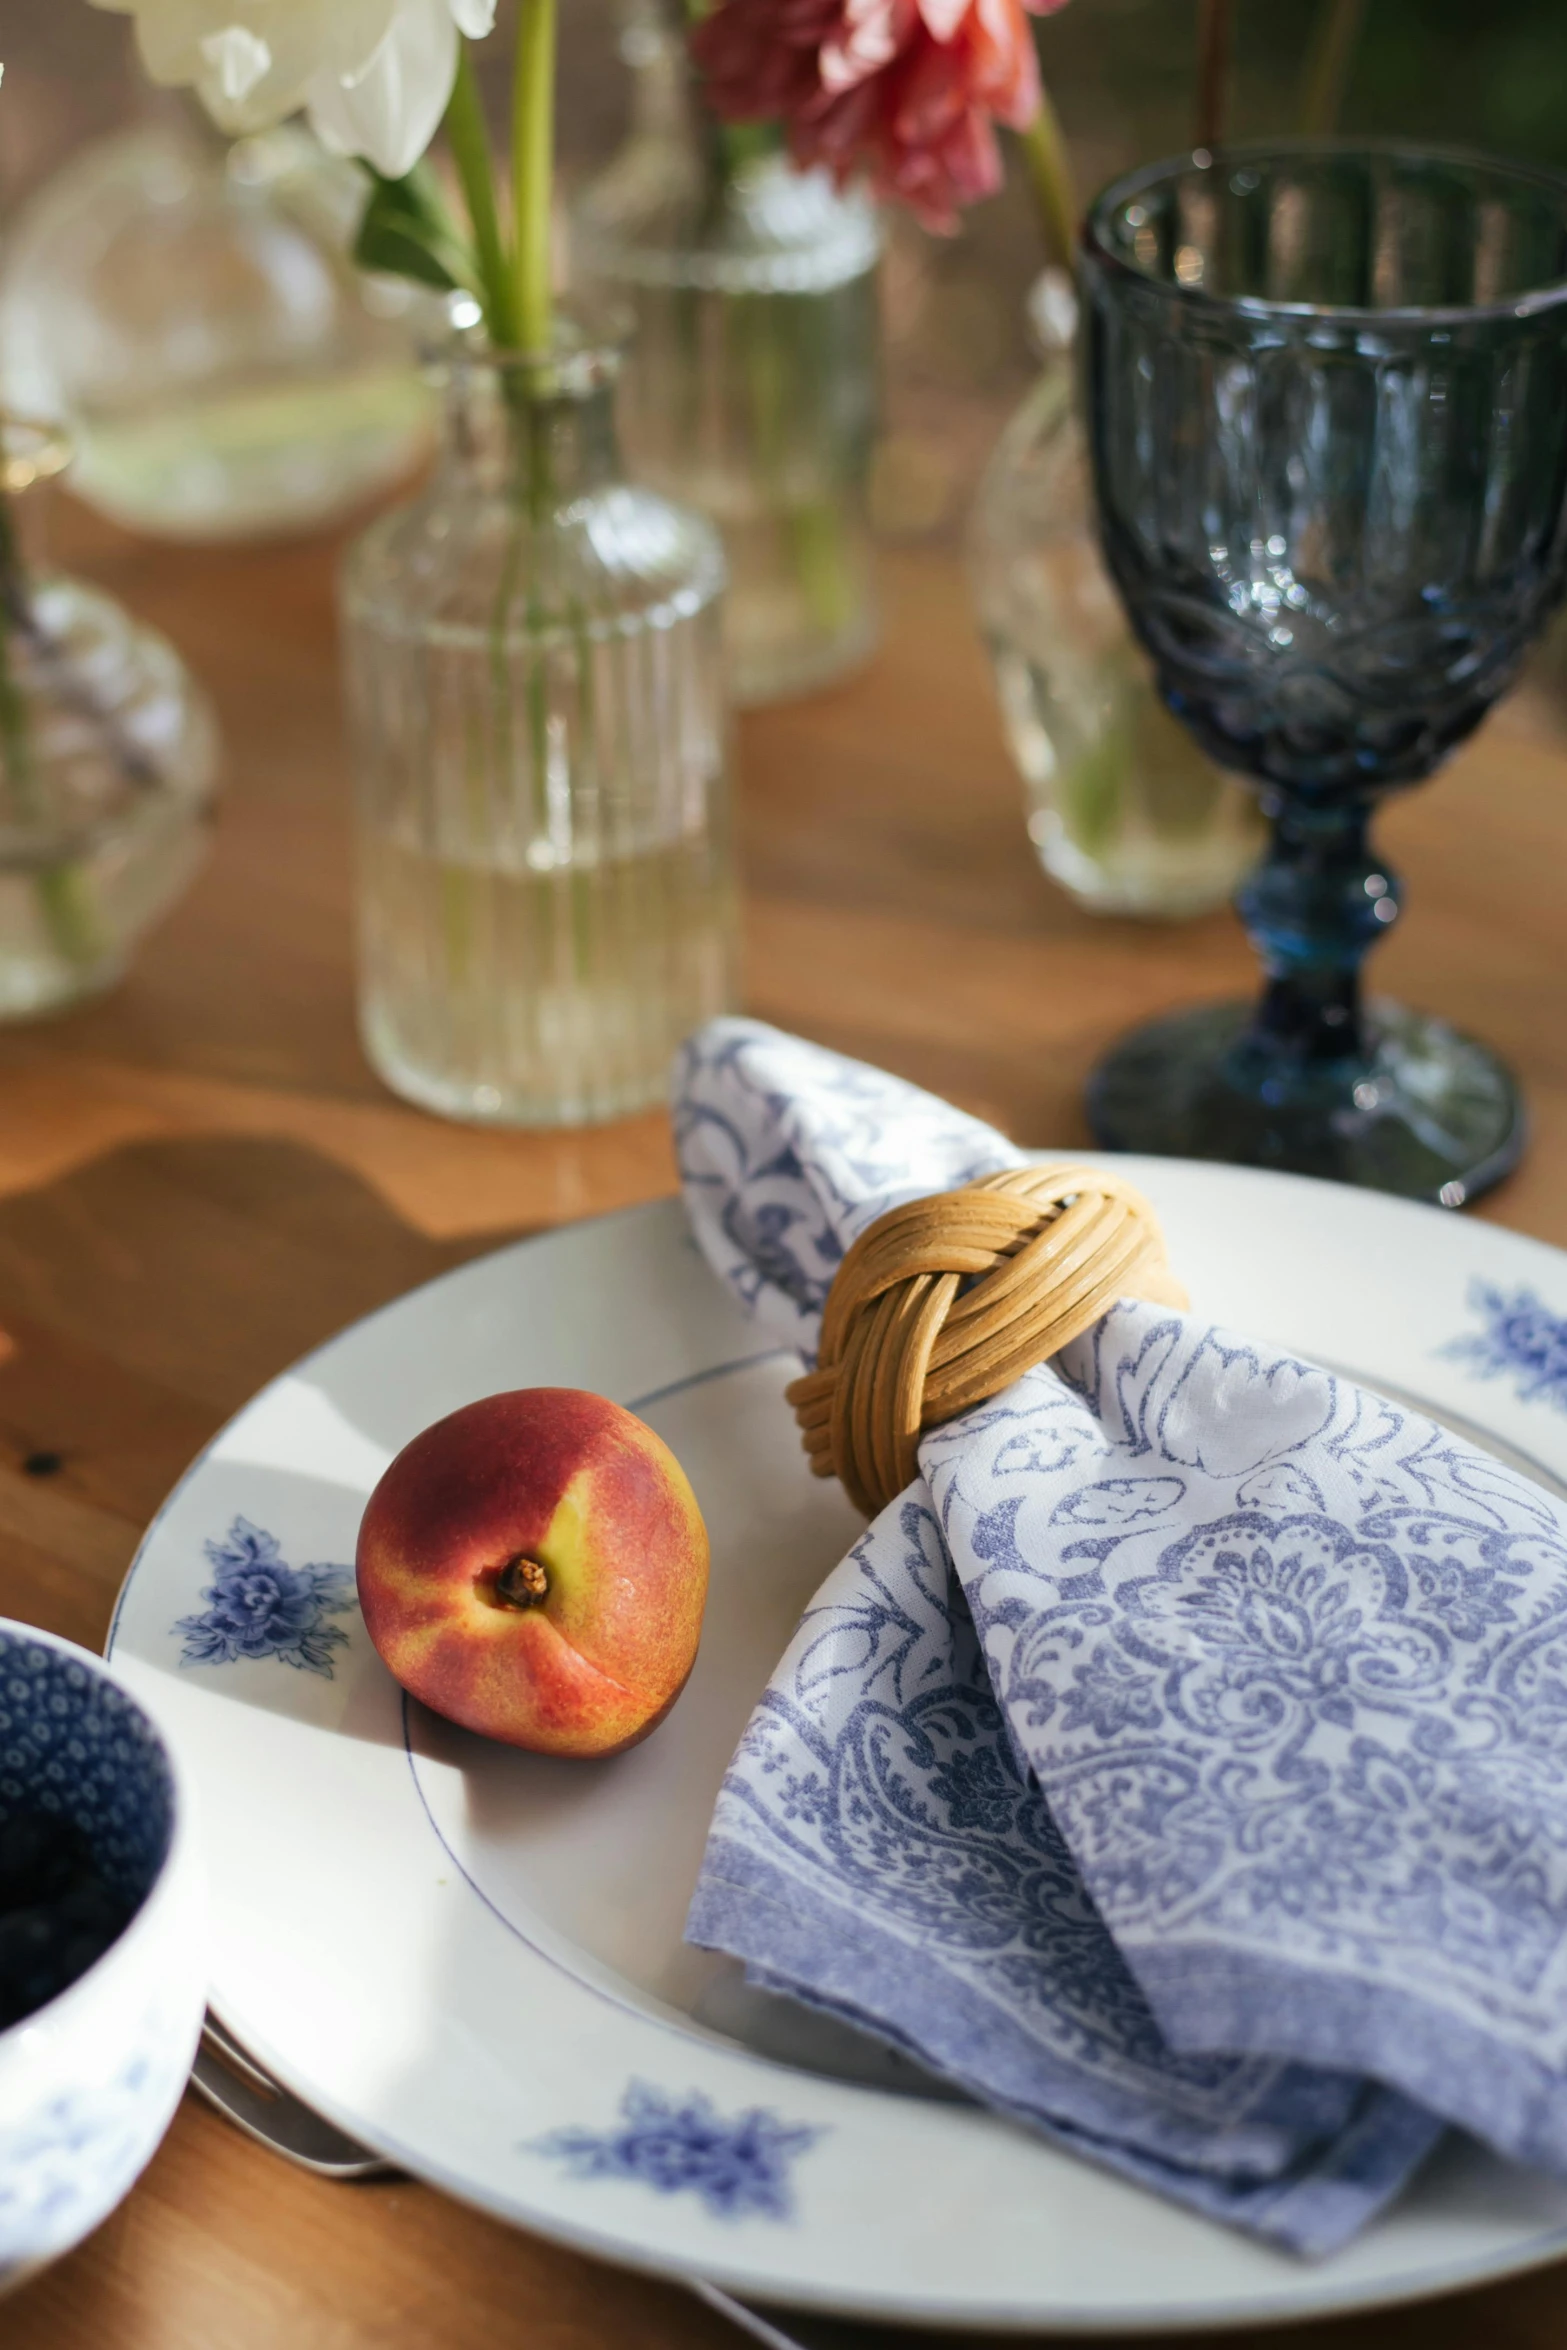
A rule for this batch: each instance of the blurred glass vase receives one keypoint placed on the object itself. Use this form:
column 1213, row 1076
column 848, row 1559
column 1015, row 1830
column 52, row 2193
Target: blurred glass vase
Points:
column 190, row 311
column 536, row 681
column 1125, row 811
column 107, row 759
column 750, row 387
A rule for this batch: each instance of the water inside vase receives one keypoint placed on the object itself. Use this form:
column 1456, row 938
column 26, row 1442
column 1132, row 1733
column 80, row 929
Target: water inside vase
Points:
column 494, row 988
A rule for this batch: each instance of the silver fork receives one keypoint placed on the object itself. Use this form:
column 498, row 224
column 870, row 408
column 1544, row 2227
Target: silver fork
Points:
column 229, row 2077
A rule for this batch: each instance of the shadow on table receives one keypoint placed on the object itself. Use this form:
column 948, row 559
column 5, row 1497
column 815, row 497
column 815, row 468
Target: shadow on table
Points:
column 146, row 1296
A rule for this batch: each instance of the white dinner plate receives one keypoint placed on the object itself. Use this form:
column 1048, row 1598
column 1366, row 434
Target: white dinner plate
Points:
column 471, row 1958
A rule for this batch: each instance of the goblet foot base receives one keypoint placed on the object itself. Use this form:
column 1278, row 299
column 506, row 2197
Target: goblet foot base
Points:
column 1428, row 1112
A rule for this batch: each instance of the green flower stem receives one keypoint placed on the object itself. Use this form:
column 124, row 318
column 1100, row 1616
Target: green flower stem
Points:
column 1093, row 791
column 533, row 169
column 470, row 147
column 533, row 501
column 743, row 143
column 1328, row 67
column 65, row 899
column 539, row 493
column 1050, row 173
column 777, row 375
column 774, row 365
column 816, row 536
column 753, row 324
column 517, row 296
column 16, row 741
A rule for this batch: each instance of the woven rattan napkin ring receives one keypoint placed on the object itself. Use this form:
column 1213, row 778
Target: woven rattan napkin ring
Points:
column 943, row 1302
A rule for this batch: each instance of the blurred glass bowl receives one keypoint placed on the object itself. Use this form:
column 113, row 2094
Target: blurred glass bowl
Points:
column 190, row 311
column 108, row 759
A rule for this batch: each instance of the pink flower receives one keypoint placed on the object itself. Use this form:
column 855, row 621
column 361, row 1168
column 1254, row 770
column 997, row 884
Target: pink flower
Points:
column 908, row 91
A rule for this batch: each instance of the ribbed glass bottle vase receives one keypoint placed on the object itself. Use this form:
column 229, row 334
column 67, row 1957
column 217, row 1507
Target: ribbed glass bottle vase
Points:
column 536, row 686
column 751, row 378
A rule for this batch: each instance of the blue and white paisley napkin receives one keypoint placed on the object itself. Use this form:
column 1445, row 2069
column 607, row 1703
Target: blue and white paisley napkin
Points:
column 1180, row 1764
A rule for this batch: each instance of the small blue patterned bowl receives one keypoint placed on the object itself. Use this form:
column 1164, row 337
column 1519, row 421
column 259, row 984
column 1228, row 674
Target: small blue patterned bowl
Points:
column 89, row 2081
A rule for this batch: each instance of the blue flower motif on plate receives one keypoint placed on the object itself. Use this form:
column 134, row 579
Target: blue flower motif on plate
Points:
column 739, row 2168
column 259, row 1606
column 1522, row 1341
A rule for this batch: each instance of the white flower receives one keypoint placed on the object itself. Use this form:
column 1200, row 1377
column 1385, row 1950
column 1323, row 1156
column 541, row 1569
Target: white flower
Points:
column 389, row 110
column 374, row 75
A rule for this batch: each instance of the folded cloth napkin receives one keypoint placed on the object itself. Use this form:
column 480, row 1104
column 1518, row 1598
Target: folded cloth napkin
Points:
column 1180, row 1763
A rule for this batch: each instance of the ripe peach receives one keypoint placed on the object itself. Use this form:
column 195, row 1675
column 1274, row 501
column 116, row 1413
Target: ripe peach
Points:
column 535, row 1567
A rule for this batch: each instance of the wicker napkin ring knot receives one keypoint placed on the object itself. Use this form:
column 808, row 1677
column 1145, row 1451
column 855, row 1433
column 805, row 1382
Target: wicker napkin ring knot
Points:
column 943, row 1302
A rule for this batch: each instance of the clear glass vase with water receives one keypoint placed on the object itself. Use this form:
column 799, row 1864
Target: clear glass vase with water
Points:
column 108, row 759
column 537, row 694
column 1124, row 810
column 752, row 375
column 190, row 309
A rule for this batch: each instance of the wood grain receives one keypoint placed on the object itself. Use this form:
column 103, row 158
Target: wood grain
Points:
column 199, row 1178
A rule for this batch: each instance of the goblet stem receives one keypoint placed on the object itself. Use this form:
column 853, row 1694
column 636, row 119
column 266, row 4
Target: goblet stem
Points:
column 1303, row 1079
column 1319, row 899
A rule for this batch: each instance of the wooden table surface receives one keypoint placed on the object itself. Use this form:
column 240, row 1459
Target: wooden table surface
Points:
column 200, row 1177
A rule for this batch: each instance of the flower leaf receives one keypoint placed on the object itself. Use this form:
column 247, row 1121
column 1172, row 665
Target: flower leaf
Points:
column 406, row 231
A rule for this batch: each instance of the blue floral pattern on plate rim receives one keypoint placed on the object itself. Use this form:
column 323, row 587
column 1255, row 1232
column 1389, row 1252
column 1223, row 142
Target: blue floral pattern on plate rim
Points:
column 1522, row 1341
column 739, row 2167
column 258, row 1606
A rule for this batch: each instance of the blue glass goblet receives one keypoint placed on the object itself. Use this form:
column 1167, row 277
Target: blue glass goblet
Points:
column 1328, row 402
